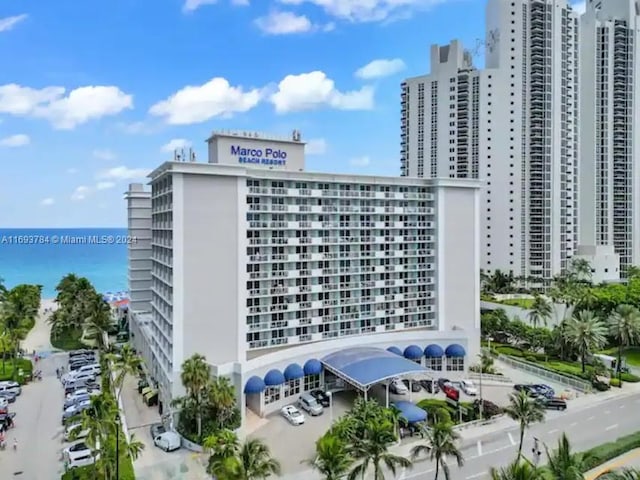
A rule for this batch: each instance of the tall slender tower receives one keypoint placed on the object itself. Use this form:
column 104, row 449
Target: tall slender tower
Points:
column 610, row 127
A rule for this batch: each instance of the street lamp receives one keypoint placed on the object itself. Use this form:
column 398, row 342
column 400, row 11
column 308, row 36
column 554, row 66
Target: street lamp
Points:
column 117, row 446
column 481, row 409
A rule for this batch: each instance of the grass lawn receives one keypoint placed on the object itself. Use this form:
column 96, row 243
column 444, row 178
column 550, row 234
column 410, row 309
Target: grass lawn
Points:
column 525, row 303
column 632, row 354
column 68, row 340
column 6, row 370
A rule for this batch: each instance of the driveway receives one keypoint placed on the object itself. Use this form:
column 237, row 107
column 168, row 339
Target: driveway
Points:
column 38, row 429
column 153, row 463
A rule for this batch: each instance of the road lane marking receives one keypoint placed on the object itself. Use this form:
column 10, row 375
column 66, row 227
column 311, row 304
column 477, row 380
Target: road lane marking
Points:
column 555, row 430
column 477, row 475
column 479, row 448
column 513, row 442
column 591, row 418
column 611, row 427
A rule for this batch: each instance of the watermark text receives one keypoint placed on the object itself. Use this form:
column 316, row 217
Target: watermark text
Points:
column 67, row 240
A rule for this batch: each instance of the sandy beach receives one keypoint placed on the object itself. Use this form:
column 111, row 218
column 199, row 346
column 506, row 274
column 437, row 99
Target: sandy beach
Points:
column 38, row 338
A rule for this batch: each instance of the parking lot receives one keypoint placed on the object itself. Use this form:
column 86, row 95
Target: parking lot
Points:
column 37, row 428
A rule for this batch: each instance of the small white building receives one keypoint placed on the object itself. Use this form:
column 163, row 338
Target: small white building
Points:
column 604, row 261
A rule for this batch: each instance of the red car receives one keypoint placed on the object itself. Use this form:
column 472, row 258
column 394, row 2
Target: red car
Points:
column 451, row 392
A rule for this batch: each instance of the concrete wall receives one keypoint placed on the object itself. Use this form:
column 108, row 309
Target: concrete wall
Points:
column 557, row 313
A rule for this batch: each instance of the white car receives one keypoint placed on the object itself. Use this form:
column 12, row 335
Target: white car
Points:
column 10, row 387
column 75, row 431
column 79, row 455
column 293, row 415
column 398, row 387
column 469, row 388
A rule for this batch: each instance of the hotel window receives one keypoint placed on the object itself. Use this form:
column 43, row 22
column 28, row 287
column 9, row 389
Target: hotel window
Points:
column 434, row 363
column 455, row 364
column 311, row 382
column 292, row 387
column 271, row 395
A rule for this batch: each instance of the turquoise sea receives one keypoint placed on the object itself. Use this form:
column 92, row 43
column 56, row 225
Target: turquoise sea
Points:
column 44, row 255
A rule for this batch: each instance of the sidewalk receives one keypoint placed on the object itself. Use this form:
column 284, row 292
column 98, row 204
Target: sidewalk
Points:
column 629, row 460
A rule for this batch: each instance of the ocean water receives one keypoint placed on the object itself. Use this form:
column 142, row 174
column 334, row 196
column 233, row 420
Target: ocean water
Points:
column 44, row 255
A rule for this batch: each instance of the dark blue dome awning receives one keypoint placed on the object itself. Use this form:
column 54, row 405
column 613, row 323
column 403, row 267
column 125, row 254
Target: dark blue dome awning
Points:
column 433, row 351
column 293, row 372
column 254, row 385
column 410, row 412
column 312, row 367
column 274, row 377
column 395, row 350
column 413, row 352
column 455, row 351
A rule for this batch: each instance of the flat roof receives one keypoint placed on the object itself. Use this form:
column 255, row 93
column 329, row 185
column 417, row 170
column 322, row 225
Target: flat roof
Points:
column 366, row 366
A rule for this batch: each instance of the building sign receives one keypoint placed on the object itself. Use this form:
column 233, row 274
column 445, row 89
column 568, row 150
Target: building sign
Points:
column 259, row 156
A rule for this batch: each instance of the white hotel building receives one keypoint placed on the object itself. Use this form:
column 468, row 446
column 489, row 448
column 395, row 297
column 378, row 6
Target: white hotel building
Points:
column 265, row 268
column 514, row 125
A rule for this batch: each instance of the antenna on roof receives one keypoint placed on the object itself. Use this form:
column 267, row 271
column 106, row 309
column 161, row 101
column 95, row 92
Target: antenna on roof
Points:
column 192, row 155
column 176, row 156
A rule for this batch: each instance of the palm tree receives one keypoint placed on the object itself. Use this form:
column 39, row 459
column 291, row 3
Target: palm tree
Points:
column 563, row 464
column 525, row 411
column 249, row 461
column 394, row 414
column 626, row 474
column 586, row 332
column 221, row 445
column 196, row 376
column 127, row 362
column 624, row 327
column 98, row 321
column 332, row 460
column 518, row 470
column 540, row 312
column 373, row 451
column 440, row 443
column 580, row 268
column 222, row 397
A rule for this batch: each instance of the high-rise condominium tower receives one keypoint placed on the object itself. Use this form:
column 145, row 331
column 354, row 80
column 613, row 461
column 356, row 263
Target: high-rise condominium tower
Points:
column 513, row 125
column 610, row 127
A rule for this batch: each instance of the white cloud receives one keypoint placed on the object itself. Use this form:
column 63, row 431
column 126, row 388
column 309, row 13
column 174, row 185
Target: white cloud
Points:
column 47, row 201
column 199, row 103
column 8, row 23
column 124, row 173
column 360, row 161
column 104, row 185
column 80, row 193
column 580, row 6
column 380, row 68
column 367, row 10
column 104, row 154
column 309, row 91
column 72, row 171
column 284, row 23
column 175, row 144
column 316, row 146
column 19, row 140
column 193, row 5
column 64, row 112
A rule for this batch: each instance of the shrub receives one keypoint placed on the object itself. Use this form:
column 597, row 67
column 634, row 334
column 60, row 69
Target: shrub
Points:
column 601, row 386
column 531, row 358
column 489, row 409
column 607, row 451
column 506, row 350
column 442, row 415
column 23, row 364
column 630, row 378
column 614, row 382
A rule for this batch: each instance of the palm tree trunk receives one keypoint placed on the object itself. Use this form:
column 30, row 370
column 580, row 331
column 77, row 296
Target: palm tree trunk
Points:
column 619, row 365
column 521, row 441
column 437, row 468
column 582, row 360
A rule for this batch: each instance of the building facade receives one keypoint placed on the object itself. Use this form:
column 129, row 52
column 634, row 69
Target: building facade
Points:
column 261, row 266
column 610, row 125
column 514, row 125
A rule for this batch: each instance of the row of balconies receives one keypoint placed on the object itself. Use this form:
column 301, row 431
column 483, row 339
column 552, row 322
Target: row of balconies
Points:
column 294, row 192
column 316, row 225
column 329, row 271
column 296, row 257
column 339, row 209
column 335, row 240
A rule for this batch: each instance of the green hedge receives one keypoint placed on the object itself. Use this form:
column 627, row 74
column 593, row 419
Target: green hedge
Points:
column 630, row 378
column 608, row 451
column 68, row 340
column 7, row 372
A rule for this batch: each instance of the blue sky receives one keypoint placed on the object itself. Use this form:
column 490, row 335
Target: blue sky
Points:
column 93, row 90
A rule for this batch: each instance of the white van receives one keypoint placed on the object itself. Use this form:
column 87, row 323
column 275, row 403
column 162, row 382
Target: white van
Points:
column 168, row 441
column 11, row 387
column 94, row 368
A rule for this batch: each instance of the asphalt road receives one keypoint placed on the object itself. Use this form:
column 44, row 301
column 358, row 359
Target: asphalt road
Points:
column 586, row 427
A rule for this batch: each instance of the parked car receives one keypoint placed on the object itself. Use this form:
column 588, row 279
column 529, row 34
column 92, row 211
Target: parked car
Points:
column 414, row 385
column 76, row 400
column 74, row 410
column 168, row 441
column 309, row 404
column 292, row 415
column 75, row 432
column 10, row 387
column 78, row 375
column 531, row 392
column 468, row 387
column 157, row 429
column 80, row 453
column 451, row 392
column 77, row 353
column 430, row 385
column 75, row 366
column 75, row 385
column 396, row 386
column 321, row 397
column 442, row 382
column 553, row 403
column 544, row 390
column 10, row 396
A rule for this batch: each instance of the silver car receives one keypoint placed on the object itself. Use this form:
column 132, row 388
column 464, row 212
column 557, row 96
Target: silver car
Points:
column 309, row 404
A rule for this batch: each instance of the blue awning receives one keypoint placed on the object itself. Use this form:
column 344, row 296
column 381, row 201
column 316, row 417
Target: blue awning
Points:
column 410, row 412
column 254, row 385
column 293, row 372
column 433, row 351
column 273, row 378
column 312, row 367
column 413, row 352
column 454, row 350
column 395, row 350
column 366, row 366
